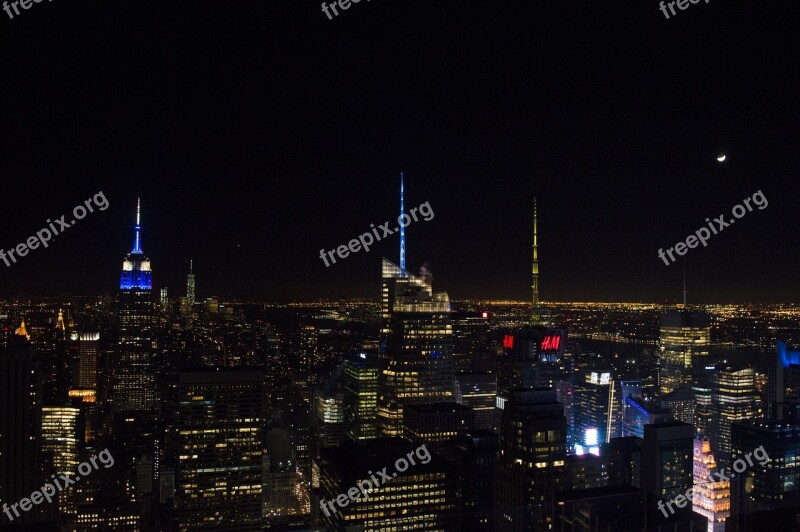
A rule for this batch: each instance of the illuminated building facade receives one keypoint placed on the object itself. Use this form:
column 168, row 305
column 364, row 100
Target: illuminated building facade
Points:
column 533, row 357
column 587, row 471
column 685, row 340
column 681, row 402
column 422, row 497
column 416, row 347
column 61, row 439
column 329, row 421
column 220, row 450
column 533, row 453
column 733, row 398
column 597, row 406
column 783, row 390
column 361, row 397
column 307, row 351
column 134, row 387
column 638, row 413
column 87, row 370
column 125, row 518
column 711, row 499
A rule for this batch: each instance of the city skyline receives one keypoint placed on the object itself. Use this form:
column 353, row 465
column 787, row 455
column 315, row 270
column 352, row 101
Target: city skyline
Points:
column 449, row 266
column 614, row 141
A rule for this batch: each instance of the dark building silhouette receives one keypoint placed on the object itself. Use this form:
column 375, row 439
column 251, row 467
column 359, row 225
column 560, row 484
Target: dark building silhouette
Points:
column 434, row 423
column 667, row 459
column 532, row 465
column 20, row 428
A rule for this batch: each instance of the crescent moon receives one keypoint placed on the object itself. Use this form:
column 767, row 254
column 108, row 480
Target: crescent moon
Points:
column 722, row 158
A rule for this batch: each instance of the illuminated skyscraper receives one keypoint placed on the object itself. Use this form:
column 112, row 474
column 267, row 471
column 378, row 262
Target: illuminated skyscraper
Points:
column 134, row 388
column 221, row 454
column 87, row 374
column 61, row 438
column 685, row 338
column 597, row 408
column 190, row 295
column 329, row 424
column 416, row 347
column 360, row 397
column 85, row 383
column 733, row 398
column 711, row 499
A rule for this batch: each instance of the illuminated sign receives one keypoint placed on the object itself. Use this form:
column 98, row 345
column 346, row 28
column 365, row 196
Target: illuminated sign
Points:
column 485, row 315
column 590, row 437
column 604, row 378
column 550, row 343
column 508, row 341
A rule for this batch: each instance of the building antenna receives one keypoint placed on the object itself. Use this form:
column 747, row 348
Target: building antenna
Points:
column 535, row 309
column 137, row 241
column 402, row 228
column 684, row 282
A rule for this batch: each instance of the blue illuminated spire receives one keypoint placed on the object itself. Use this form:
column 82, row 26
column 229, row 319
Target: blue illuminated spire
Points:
column 137, row 242
column 402, row 229
column 136, row 273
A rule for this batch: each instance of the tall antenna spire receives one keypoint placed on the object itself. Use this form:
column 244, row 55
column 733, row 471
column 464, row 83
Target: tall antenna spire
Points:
column 402, row 229
column 684, row 282
column 137, row 242
column 535, row 310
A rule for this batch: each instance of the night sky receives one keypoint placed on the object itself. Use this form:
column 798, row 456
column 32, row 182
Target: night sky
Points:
column 259, row 132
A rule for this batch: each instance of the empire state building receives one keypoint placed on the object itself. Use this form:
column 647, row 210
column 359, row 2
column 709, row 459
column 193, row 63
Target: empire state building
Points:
column 135, row 384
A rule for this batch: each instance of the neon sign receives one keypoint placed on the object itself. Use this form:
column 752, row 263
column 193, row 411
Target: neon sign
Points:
column 508, row 341
column 550, row 343
column 605, row 378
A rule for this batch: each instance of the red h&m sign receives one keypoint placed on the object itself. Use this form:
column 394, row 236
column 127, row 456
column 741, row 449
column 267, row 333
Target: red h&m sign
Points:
column 550, row 343
column 508, row 341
